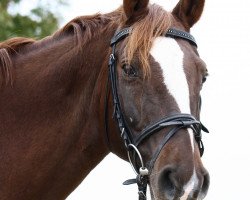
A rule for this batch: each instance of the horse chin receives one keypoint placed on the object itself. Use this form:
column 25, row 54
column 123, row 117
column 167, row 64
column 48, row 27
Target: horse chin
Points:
column 162, row 196
column 157, row 195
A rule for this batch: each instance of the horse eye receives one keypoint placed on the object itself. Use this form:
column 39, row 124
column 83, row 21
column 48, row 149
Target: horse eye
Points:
column 204, row 79
column 129, row 70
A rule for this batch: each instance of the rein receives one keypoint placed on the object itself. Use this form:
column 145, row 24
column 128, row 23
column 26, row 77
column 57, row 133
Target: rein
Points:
column 176, row 122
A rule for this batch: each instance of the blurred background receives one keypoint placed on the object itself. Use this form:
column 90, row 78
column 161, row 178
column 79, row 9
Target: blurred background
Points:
column 223, row 36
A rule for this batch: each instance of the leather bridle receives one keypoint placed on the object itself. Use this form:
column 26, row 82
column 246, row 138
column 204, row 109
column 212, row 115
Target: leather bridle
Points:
column 176, row 122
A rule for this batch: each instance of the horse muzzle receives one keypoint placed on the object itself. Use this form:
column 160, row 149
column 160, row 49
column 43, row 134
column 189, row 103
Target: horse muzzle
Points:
column 172, row 184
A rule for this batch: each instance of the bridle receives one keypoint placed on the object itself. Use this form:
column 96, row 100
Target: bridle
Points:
column 176, row 122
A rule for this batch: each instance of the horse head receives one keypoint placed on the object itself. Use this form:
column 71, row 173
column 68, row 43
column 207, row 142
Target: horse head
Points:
column 156, row 77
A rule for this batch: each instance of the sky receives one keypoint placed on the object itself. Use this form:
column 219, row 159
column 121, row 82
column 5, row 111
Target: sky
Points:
column 223, row 37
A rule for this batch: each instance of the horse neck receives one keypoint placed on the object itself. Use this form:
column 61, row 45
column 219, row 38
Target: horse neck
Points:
column 59, row 98
column 90, row 78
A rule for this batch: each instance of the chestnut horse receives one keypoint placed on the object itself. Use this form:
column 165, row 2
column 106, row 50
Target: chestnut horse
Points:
column 56, row 103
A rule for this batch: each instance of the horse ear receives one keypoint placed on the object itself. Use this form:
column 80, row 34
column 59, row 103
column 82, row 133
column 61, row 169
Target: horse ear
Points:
column 189, row 11
column 135, row 8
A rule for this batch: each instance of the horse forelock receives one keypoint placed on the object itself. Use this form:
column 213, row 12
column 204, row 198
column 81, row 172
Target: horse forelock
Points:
column 152, row 25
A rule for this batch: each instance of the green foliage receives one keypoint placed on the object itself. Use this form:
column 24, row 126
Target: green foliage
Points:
column 39, row 23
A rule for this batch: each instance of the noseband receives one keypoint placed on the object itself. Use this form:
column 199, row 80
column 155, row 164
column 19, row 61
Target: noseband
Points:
column 176, row 122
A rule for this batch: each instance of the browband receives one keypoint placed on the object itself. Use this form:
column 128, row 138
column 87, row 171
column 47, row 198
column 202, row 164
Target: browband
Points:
column 172, row 32
column 120, row 35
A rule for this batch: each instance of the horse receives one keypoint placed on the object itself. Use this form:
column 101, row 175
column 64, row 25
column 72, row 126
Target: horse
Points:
column 126, row 82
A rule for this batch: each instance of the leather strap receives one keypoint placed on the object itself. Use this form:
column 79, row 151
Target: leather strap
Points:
column 174, row 33
column 120, row 35
column 117, row 114
column 185, row 120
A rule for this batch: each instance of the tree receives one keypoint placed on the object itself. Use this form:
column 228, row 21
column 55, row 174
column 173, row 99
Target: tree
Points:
column 39, row 23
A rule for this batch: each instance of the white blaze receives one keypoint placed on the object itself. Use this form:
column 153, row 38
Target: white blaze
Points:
column 169, row 55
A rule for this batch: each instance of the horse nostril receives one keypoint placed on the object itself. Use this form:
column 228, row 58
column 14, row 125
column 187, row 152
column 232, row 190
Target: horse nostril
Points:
column 205, row 186
column 167, row 183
